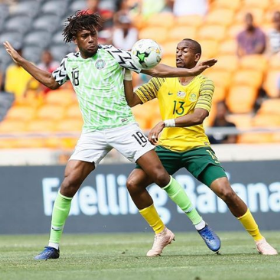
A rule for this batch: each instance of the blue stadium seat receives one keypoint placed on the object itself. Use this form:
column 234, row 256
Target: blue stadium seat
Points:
column 20, row 23
column 57, row 7
column 5, row 59
column 77, row 5
column 32, row 53
column 14, row 37
column 40, row 38
column 48, row 22
column 59, row 51
column 30, row 8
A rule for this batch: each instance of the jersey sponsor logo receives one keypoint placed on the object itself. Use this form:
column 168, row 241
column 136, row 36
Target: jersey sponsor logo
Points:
column 100, row 64
column 181, row 94
column 192, row 97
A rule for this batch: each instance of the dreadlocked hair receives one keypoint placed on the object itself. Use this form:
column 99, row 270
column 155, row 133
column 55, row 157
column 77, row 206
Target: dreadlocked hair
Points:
column 81, row 20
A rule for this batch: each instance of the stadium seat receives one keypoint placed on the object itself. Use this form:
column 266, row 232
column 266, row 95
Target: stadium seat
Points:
column 225, row 4
column 15, row 38
column 18, row 23
column 234, row 30
column 274, row 63
column 32, row 53
column 257, row 13
column 30, row 8
column 271, row 83
column 40, row 126
column 252, row 78
column 59, row 51
column 220, row 78
column 211, row 32
column 57, row 7
column 266, row 120
column 241, row 99
column 12, row 126
column 270, row 106
column 159, row 34
column 227, row 63
column 222, row 17
column 63, row 97
column 40, row 38
column 73, row 112
column 180, row 32
column 219, row 93
column 254, row 138
column 228, row 47
column 169, row 49
column 263, row 4
column 57, row 38
column 169, row 60
column 189, row 20
column 30, row 143
column 69, row 125
column 48, row 22
column 76, row 6
column 165, row 20
column 21, row 113
column 209, row 48
column 254, row 62
column 241, row 120
column 51, row 112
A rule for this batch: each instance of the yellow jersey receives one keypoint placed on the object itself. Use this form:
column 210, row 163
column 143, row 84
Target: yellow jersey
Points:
column 176, row 100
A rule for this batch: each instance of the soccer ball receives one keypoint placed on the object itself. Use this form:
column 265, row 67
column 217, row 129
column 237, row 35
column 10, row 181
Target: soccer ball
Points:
column 146, row 53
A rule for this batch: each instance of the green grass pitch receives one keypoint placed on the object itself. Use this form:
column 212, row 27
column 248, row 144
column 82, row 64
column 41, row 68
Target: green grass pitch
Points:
column 122, row 257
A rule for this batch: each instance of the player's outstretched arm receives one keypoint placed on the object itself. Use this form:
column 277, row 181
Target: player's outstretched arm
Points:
column 42, row 76
column 162, row 70
column 132, row 98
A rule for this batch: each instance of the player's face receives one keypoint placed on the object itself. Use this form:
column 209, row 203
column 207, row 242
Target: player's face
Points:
column 185, row 55
column 87, row 42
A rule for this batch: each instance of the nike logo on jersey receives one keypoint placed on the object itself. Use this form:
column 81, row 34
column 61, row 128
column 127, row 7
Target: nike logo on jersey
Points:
column 170, row 93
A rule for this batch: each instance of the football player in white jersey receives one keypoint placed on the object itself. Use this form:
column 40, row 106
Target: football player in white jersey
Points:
column 97, row 73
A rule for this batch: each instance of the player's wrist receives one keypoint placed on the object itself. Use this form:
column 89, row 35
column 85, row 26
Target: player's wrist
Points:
column 169, row 123
column 127, row 75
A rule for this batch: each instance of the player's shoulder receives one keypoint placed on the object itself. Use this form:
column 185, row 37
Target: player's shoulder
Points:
column 205, row 80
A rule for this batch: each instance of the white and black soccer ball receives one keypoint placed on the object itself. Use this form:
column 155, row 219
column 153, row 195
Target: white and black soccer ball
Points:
column 146, row 53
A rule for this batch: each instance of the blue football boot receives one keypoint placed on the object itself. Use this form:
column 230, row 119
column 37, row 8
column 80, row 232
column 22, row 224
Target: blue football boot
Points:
column 48, row 253
column 210, row 238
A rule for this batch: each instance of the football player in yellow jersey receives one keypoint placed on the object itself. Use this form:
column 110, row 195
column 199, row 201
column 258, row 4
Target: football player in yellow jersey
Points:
column 184, row 104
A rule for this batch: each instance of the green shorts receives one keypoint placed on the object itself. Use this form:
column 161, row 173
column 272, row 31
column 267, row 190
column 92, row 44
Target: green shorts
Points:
column 201, row 162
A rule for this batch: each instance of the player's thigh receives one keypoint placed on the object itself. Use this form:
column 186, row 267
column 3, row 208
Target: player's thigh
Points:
column 130, row 141
column 91, row 147
column 203, row 164
column 169, row 159
column 75, row 173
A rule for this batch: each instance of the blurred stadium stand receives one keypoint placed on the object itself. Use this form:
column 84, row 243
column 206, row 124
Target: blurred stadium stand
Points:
column 36, row 25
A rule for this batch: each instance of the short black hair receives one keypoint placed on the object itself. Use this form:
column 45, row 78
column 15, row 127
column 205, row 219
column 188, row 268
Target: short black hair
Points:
column 81, row 20
column 195, row 45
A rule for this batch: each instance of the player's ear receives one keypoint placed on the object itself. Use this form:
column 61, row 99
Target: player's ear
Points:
column 75, row 40
column 197, row 57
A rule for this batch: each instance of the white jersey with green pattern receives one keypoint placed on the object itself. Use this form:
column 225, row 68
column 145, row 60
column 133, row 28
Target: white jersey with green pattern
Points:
column 98, row 83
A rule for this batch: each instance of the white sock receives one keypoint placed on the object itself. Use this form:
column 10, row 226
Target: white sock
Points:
column 54, row 245
column 200, row 225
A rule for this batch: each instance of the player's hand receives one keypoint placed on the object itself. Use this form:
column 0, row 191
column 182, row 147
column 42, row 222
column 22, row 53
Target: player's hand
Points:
column 12, row 52
column 209, row 62
column 200, row 67
column 154, row 133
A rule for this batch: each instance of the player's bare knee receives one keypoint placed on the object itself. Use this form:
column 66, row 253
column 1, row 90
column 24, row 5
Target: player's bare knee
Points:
column 161, row 178
column 70, row 185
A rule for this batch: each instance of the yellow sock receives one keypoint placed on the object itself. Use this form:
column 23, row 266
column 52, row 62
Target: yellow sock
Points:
column 249, row 223
column 151, row 216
